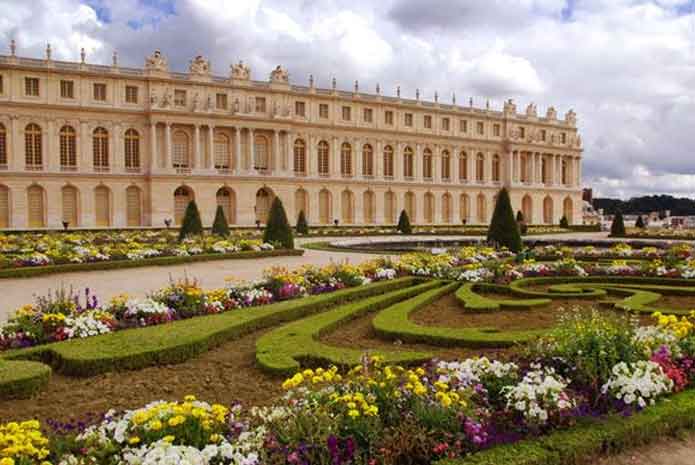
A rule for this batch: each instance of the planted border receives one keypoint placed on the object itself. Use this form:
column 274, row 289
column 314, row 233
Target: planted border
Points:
column 394, row 323
column 182, row 340
column 31, row 271
column 22, row 379
column 467, row 296
column 283, row 350
column 593, row 436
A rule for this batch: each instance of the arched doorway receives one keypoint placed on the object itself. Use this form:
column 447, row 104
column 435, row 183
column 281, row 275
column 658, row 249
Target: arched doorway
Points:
column 301, row 202
column 347, row 205
column 227, row 200
column 482, row 209
column 36, row 214
column 548, row 210
column 527, row 209
column 325, row 206
column 369, row 207
column 133, row 206
column 465, row 208
column 389, row 207
column 182, row 197
column 70, row 207
column 429, row 208
column 4, row 207
column 264, row 199
column 410, row 206
column 102, row 206
column 446, row 209
column 568, row 209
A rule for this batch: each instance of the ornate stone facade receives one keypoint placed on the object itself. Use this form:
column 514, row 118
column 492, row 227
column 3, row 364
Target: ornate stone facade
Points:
column 106, row 146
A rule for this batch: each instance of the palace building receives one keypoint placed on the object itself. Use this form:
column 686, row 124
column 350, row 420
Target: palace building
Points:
column 107, row 146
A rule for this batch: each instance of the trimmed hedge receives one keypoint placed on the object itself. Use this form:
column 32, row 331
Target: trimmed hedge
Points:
column 467, row 297
column 579, row 445
column 182, row 340
column 31, row 271
column 283, row 350
column 22, row 379
column 394, row 323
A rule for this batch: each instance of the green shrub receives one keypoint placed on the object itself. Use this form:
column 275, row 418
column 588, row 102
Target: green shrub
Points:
column 640, row 222
column 22, row 379
column 191, row 225
column 618, row 225
column 564, row 223
column 220, row 226
column 504, row 230
column 278, row 230
column 404, row 223
column 302, row 224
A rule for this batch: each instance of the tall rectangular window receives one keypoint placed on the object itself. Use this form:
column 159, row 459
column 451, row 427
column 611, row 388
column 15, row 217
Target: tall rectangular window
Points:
column 408, row 120
column 31, row 86
column 67, row 89
column 300, row 109
column 347, row 113
column 180, row 98
column 563, row 137
column 131, row 94
column 100, row 92
column 368, row 115
column 388, row 117
column 445, row 124
column 544, row 135
column 260, row 104
column 323, row 110
column 480, row 127
column 496, row 130
column 221, row 101
column 522, row 132
column 427, row 122
column 463, row 125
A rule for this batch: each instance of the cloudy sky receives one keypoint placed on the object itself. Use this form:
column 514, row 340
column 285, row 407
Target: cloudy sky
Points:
column 626, row 66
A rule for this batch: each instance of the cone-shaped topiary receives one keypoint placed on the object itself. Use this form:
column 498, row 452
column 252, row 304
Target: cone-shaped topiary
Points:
column 640, row 222
column 220, row 226
column 618, row 225
column 278, row 228
column 519, row 217
column 302, row 225
column 504, row 230
column 564, row 223
column 404, row 223
column 191, row 225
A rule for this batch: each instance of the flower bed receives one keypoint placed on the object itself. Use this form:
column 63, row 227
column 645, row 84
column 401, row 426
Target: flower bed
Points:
column 619, row 250
column 468, row 411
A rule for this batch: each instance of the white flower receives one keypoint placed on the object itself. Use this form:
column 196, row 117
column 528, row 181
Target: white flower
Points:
column 637, row 382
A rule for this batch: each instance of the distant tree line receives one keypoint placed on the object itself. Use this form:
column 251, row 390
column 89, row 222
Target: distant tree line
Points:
column 647, row 204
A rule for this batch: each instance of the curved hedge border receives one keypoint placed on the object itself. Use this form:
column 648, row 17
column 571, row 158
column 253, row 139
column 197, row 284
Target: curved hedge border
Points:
column 182, row 340
column 22, row 379
column 466, row 295
column 283, row 350
column 393, row 323
column 579, row 445
column 31, row 271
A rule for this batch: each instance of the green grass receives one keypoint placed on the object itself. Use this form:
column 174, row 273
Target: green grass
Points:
column 285, row 349
column 22, row 379
column 469, row 299
column 182, row 340
column 394, row 323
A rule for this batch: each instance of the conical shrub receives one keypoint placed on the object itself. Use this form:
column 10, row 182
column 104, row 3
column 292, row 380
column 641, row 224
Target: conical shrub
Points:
column 504, row 230
column 220, row 226
column 564, row 223
column 278, row 230
column 191, row 225
column 618, row 225
column 302, row 224
column 640, row 222
column 404, row 223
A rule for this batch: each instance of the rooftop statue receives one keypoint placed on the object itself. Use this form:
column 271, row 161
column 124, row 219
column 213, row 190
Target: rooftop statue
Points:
column 240, row 71
column 156, row 62
column 199, row 66
column 279, row 75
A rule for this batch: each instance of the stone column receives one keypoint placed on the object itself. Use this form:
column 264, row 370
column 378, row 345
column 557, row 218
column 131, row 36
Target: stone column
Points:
column 288, row 158
column 197, row 158
column 532, row 168
column 437, row 164
column 311, row 158
column 470, row 161
column 398, row 161
column 334, row 169
column 578, row 171
column 167, row 146
column 50, row 158
column 153, row 147
column 211, row 148
column 118, row 154
column 418, row 174
column 237, row 150
column 379, row 160
column 252, row 153
column 16, row 159
column 358, row 166
column 85, row 163
column 275, row 165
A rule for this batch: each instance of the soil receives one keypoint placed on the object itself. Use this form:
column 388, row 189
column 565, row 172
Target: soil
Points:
column 676, row 302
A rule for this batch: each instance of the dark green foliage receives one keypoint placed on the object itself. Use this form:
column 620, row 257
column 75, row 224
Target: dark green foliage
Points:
column 404, row 223
column 640, row 222
column 302, row 224
column 22, row 379
column 191, row 225
column 278, row 229
column 519, row 217
column 520, row 220
column 618, row 225
column 650, row 203
column 504, row 230
column 564, row 223
column 220, row 226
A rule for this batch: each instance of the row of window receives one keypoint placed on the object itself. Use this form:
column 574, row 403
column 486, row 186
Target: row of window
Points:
column 32, row 88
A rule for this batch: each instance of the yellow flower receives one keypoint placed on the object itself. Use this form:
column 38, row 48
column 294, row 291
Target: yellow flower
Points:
column 7, row 461
column 134, row 440
column 177, row 420
column 170, row 438
column 353, row 413
column 155, row 425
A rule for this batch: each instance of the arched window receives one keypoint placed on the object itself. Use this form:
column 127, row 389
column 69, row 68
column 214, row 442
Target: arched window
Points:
column 227, row 200
column 565, row 173
column 568, row 209
column 480, row 168
column 346, row 159
column 465, row 208
column 389, row 207
column 429, row 208
column 544, row 170
column 264, row 199
column 36, row 214
column 132, row 150
column 427, row 164
column 222, row 153
column 496, row 168
column 548, row 213
column 180, row 150
column 133, row 206
column 32, row 147
column 367, row 160
column 3, row 146
column 325, row 206
column 446, row 165
column 463, row 167
column 182, row 197
column 527, row 209
column 482, row 209
column 324, row 165
column 347, row 204
column 100, row 148
column 70, row 208
column 369, row 207
column 408, row 163
column 446, row 208
column 260, row 158
column 68, row 148
column 410, row 206
column 102, row 206
column 388, row 161
column 299, row 156
column 4, row 207
column 301, row 203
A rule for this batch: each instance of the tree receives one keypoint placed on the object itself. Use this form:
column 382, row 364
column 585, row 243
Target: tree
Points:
column 640, row 222
column 191, row 225
column 220, row 226
column 504, row 230
column 278, row 228
column 618, row 225
column 404, row 223
column 519, row 217
column 564, row 223
column 302, row 225
column 521, row 222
